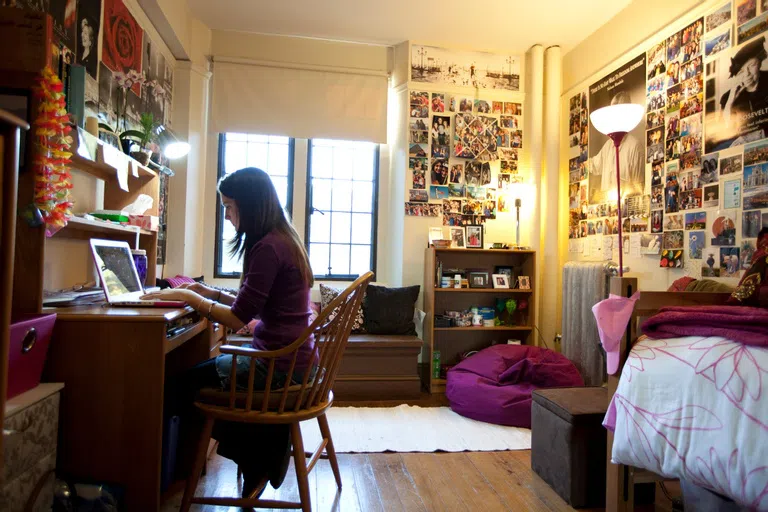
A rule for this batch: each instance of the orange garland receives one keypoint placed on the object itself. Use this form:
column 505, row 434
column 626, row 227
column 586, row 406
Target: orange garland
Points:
column 52, row 158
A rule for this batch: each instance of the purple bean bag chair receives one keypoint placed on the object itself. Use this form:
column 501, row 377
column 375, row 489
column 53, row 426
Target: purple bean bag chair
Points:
column 495, row 385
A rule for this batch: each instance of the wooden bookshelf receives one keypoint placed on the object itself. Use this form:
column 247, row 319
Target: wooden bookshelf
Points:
column 495, row 291
column 454, row 341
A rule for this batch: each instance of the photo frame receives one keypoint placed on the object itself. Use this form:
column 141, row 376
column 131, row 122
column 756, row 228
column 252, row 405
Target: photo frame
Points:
column 500, row 281
column 458, row 237
column 524, row 283
column 479, row 279
column 507, row 271
column 435, row 234
column 474, row 236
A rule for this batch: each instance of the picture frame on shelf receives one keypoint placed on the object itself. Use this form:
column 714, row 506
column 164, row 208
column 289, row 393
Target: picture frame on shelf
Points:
column 524, row 283
column 435, row 233
column 474, row 236
column 458, row 238
column 479, row 279
column 506, row 270
column 500, row 281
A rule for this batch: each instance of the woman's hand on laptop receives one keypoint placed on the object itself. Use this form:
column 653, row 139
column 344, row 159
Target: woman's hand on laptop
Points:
column 179, row 294
column 199, row 288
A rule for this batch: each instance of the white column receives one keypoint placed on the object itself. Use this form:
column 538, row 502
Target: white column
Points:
column 550, row 286
column 186, row 190
column 532, row 139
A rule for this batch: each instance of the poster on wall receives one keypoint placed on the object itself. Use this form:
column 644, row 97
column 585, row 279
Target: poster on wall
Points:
column 122, row 43
column 88, row 29
column 624, row 85
column 736, row 107
column 479, row 70
column 159, row 76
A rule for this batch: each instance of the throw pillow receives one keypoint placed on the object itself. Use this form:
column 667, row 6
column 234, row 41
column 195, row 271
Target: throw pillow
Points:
column 390, row 310
column 748, row 293
column 327, row 294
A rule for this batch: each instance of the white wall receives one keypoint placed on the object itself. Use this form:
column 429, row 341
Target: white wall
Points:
column 632, row 25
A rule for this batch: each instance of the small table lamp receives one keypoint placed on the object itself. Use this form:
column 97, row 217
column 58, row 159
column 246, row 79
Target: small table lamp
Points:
column 616, row 121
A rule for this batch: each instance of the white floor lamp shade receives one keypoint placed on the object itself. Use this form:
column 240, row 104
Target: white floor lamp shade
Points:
column 622, row 117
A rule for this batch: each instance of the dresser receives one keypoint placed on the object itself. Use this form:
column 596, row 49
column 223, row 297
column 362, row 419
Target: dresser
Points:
column 30, row 435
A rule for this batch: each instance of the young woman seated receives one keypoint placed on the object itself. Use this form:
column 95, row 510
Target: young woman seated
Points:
column 275, row 286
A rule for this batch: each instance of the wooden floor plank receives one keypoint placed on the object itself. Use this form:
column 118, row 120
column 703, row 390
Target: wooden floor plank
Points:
column 404, row 483
column 368, row 495
column 385, row 482
column 475, row 490
column 433, row 481
column 520, row 461
column 327, row 496
column 411, row 482
column 506, row 483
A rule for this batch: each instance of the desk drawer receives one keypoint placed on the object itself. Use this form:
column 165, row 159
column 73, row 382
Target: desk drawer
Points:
column 30, row 436
column 14, row 494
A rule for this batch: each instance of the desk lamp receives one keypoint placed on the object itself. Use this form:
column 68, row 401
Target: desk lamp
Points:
column 170, row 144
column 616, row 121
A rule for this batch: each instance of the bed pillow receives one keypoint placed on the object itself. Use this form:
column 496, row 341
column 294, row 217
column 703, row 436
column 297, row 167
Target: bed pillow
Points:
column 752, row 289
column 390, row 310
column 327, row 294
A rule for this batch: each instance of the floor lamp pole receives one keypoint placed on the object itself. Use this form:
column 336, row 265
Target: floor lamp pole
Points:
column 518, row 203
column 617, row 137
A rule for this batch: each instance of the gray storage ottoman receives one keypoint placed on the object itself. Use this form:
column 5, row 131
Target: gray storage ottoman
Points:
column 568, row 442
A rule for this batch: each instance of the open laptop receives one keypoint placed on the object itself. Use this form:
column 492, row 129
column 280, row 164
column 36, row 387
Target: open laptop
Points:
column 119, row 277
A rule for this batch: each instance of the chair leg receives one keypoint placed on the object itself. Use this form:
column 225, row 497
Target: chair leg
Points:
column 300, row 461
column 326, row 432
column 197, row 467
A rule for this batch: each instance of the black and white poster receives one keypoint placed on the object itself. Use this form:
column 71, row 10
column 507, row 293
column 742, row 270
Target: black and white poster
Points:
column 736, row 107
column 432, row 64
column 159, row 84
column 625, row 85
column 88, row 28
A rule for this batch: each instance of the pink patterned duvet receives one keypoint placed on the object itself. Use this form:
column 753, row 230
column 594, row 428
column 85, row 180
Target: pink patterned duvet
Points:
column 696, row 408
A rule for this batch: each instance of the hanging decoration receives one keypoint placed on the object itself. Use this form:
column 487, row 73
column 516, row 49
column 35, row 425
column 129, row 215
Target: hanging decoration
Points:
column 52, row 157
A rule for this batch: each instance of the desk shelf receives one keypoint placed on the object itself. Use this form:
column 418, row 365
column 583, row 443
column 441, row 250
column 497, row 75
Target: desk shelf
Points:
column 498, row 291
column 76, row 225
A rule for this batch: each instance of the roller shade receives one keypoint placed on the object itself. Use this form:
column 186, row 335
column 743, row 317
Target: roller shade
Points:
column 299, row 103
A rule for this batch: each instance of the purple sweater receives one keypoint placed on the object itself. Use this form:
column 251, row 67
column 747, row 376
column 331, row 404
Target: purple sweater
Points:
column 273, row 291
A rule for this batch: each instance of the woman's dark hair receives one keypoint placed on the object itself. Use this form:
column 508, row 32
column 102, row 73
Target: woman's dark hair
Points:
column 260, row 213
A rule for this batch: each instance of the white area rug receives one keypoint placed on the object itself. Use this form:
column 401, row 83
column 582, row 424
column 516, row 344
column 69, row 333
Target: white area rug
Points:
column 412, row 429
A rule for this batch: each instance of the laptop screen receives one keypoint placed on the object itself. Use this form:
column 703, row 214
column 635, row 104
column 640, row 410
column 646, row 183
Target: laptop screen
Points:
column 117, row 270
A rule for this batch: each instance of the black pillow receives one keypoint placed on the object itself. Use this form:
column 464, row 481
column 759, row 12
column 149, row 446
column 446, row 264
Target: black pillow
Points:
column 390, row 310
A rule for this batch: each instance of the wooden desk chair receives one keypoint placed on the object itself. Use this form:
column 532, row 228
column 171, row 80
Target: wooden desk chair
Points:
column 289, row 405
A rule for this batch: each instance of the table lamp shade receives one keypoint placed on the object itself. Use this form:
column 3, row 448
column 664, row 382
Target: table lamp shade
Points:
column 622, row 117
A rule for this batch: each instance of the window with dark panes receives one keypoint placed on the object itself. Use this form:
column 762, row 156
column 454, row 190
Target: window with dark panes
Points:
column 342, row 208
column 270, row 153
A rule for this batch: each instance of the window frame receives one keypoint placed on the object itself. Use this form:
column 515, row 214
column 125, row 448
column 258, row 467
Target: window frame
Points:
column 219, row 246
column 374, row 218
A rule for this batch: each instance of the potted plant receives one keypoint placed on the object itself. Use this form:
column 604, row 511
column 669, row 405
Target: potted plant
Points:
column 137, row 141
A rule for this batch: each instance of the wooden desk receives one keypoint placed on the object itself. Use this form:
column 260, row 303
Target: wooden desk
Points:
column 114, row 363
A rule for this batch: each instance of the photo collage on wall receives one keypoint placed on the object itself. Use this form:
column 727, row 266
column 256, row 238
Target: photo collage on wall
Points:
column 463, row 156
column 700, row 155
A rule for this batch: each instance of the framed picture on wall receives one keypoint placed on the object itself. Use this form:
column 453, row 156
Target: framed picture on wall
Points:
column 474, row 237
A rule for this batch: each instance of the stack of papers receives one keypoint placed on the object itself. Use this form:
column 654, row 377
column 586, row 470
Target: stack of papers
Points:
column 74, row 298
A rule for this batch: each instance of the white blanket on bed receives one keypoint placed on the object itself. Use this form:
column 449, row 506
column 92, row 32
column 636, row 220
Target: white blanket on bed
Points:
column 696, row 408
